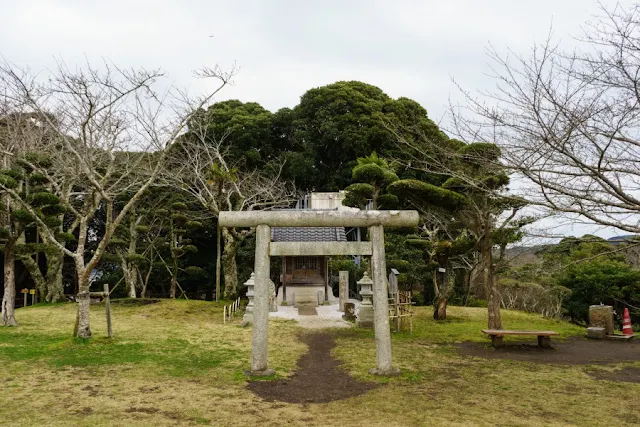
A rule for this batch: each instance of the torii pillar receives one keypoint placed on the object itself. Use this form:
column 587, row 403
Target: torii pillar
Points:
column 264, row 220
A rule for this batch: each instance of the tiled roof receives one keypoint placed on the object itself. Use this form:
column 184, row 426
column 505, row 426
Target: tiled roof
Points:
column 308, row 234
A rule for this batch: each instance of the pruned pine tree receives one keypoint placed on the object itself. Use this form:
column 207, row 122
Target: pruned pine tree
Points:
column 109, row 131
column 371, row 176
column 16, row 219
column 173, row 244
column 473, row 197
column 125, row 247
column 441, row 248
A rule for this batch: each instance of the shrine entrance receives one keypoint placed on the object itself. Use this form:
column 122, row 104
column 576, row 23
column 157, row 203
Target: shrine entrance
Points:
column 374, row 220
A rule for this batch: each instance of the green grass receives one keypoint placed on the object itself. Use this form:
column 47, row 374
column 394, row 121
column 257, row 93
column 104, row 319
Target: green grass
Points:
column 175, row 362
column 466, row 324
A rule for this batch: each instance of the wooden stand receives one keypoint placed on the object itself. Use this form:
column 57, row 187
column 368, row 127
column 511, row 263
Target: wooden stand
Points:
column 399, row 309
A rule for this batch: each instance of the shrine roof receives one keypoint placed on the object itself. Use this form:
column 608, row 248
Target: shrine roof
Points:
column 308, row 234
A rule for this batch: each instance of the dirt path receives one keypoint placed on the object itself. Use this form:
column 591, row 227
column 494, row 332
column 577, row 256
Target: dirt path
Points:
column 574, row 351
column 317, row 380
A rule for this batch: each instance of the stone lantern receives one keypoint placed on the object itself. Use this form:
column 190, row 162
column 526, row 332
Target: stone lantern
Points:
column 365, row 312
column 248, row 314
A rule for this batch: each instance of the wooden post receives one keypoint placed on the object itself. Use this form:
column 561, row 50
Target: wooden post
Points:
column 108, row 309
column 224, row 314
column 326, row 280
column 284, row 278
column 397, row 311
column 218, row 265
column 411, row 324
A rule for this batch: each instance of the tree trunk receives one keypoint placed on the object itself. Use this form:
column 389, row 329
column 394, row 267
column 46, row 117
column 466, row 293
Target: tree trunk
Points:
column 55, row 288
column 143, row 291
column 131, row 279
column 144, row 280
column 218, row 262
column 441, row 292
column 229, row 266
column 130, row 274
column 173, row 287
column 83, row 320
column 174, row 261
column 36, row 275
column 491, row 288
column 9, row 297
column 174, row 274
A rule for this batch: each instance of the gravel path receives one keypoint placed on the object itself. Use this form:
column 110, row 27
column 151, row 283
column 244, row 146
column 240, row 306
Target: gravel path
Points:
column 328, row 317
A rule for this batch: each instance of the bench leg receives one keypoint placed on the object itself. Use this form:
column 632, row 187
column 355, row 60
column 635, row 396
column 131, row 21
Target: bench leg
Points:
column 544, row 342
column 496, row 341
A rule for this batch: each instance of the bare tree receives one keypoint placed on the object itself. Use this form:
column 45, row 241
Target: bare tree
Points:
column 112, row 132
column 203, row 169
column 569, row 122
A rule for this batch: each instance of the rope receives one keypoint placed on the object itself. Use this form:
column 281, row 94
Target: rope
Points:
column 626, row 303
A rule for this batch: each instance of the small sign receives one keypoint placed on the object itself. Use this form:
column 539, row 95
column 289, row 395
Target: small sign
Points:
column 441, row 270
column 24, row 291
column 32, row 291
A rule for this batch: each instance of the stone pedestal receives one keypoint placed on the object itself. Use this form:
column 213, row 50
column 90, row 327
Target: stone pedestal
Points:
column 365, row 313
column 601, row 316
column 343, row 290
column 273, row 301
column 247, row 319
column 349, row 311
column 596, row 333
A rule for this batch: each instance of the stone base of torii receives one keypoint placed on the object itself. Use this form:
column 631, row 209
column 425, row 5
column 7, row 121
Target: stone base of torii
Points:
column 374, row 220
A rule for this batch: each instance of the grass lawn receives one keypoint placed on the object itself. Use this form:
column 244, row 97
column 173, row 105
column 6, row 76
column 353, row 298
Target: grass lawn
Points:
column 175, row 362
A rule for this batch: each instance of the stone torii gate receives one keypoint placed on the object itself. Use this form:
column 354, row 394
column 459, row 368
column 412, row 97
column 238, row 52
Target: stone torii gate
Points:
column 264, row 220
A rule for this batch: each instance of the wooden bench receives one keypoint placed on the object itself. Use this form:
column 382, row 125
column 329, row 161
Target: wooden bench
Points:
column 544, row 337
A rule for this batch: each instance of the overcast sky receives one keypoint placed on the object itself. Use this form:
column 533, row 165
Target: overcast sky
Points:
column 409, row 48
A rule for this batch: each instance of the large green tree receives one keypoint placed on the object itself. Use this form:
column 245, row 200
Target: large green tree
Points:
column 246, row 130
column 341, row 122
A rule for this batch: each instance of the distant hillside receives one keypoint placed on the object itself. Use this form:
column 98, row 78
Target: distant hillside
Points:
column 521, row 255
column 621, row 239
